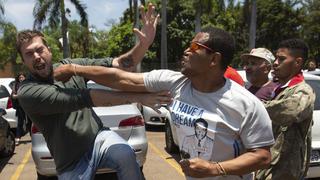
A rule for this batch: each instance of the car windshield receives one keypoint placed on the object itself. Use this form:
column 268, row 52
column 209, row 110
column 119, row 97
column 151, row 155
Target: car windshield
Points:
column 316, row 87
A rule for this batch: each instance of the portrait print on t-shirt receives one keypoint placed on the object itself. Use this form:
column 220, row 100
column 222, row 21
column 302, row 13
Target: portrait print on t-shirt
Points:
column 198, row 144
column 193, row 131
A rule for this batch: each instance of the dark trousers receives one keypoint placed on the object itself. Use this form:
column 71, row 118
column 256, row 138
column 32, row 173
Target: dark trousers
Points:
column 21, row 120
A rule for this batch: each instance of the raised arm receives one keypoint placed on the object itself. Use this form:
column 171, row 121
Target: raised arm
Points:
column 129, row 60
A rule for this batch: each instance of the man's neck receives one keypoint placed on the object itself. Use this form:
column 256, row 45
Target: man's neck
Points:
column 208, row 85
column 260, row 82
column 284, row 81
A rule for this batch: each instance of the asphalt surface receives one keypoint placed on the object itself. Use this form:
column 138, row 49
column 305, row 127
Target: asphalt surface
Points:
column 159, row 164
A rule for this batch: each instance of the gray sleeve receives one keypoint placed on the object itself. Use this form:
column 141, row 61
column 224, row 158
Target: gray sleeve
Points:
column 256, row 129
column 47, row 99
column 161, row 80
column 106, row 62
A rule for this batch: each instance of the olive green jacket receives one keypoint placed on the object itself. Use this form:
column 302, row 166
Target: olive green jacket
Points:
column 63, row 114
column 291, row 114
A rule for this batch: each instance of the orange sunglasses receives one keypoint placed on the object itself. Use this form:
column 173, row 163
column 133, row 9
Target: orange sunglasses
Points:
column 195, row 46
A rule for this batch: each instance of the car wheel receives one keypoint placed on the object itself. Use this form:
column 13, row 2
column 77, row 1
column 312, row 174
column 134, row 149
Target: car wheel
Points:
column 42, row 177
column 10, row 145
column 171, row 147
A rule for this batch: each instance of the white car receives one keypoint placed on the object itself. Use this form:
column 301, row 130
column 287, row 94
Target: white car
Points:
column 314, row 168
column 6, row 102
column 151, row 117
column 126, row 120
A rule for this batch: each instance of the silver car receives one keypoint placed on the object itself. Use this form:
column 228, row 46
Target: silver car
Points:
column 6, row 102
column 153, row 118
column 314, row 167
column 126, row 120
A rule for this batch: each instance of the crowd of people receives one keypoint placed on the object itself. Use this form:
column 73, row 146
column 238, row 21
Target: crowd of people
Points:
column 258, row 129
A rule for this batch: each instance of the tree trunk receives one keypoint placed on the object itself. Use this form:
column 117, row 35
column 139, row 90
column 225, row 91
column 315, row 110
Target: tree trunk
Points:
column 253, row 24
column 136, row 25
column 64, row 30
column 198, row 17
column 164, row 61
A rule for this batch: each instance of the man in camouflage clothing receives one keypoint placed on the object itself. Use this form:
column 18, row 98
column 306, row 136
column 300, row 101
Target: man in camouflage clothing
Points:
column 291, row 114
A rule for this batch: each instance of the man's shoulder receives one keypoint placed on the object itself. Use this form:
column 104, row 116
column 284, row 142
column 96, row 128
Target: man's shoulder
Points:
column 305, row 87
column 240, row 93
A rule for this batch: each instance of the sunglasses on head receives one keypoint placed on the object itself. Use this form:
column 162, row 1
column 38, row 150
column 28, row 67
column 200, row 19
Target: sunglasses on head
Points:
column 195, row 46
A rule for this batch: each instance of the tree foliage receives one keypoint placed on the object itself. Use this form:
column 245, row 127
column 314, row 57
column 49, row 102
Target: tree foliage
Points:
column 276, row 20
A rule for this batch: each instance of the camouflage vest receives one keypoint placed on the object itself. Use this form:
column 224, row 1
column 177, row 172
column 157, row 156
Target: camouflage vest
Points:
column 291, row 114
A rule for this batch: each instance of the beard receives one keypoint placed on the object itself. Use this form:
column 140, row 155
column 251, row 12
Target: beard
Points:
column 47, row 79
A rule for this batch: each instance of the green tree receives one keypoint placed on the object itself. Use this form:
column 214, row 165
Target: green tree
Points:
column 116, row 37
column 8, row 52
column 55, row 12
column 276, row 21
column 80, row 40
column 311, row 27
column 52, row 36
column 1, row 10
column 164, row 50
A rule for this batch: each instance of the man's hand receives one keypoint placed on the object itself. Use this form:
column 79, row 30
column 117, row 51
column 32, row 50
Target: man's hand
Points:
column 149, row 21
column 64, row 72
column 132, row 58
column 155, row 100
column 198, row 168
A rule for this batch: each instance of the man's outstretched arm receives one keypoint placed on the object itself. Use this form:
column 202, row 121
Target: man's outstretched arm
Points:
column 112, row 77
column 131, row 59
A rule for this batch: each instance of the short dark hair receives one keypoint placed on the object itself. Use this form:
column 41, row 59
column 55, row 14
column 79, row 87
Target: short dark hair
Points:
column 200, row 120
column 26, row 36
column 296, row 47
column 221, row 41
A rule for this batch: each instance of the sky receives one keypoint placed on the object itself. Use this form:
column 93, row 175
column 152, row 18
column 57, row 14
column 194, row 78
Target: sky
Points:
column 19, row 12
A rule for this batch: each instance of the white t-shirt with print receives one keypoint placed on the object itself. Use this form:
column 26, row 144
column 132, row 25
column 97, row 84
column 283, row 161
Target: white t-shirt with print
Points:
column 236, row 119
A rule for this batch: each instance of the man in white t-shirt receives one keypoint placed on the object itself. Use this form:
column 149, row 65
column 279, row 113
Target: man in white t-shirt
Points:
column 238, row 123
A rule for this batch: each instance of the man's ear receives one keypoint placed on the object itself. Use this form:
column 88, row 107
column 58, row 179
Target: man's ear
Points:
column 268, row 68
column 299, row 61
column 216, row 59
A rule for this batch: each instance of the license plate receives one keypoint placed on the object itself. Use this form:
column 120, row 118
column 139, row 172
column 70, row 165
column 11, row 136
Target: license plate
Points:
column 315, row 156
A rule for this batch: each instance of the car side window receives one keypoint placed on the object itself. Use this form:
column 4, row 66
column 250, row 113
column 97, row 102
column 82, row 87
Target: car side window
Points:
column 3, row 92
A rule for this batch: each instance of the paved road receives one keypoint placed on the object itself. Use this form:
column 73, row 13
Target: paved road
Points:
column 159, row 165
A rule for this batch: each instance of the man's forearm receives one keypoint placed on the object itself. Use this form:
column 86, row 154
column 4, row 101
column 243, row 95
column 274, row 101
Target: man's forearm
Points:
column 132, row 58
column 101, row 97
column 105, row 98
column 244, row 164
column 247, row 162
column 112, row 77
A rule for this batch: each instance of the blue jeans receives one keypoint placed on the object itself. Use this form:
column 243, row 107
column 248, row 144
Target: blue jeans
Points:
column 109, row 151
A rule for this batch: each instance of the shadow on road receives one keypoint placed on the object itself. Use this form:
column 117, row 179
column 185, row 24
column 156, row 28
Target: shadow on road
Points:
column 3, row 162
column 155, row 128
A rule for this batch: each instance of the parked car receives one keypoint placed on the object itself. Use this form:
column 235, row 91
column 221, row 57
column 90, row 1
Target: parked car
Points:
column 317, row 72
column 126, row 120
column 151, row 117
column 6, row 102
column 7, row 138
column 314, row 168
